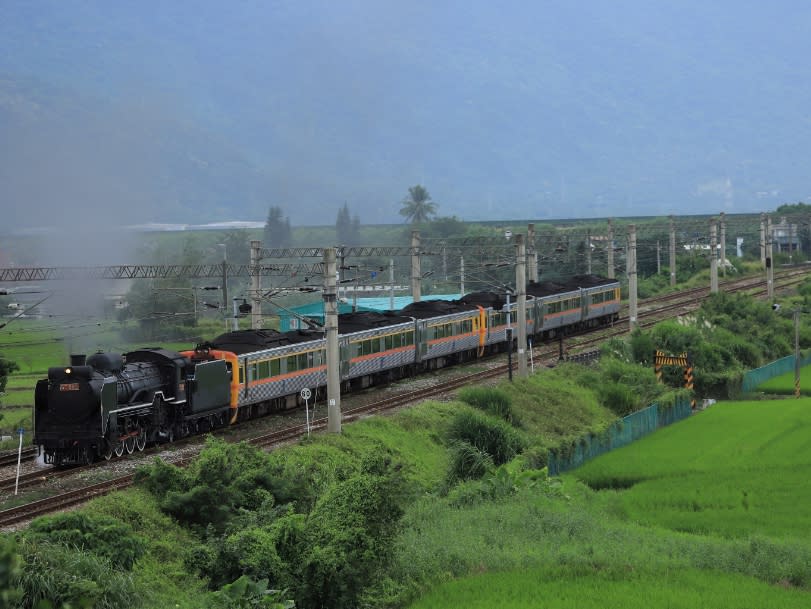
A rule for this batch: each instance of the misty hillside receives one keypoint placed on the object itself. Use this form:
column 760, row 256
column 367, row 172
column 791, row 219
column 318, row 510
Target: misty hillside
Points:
column 503, row 110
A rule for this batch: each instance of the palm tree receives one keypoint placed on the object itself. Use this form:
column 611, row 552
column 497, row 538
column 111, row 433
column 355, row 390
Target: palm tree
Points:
column 418, row 206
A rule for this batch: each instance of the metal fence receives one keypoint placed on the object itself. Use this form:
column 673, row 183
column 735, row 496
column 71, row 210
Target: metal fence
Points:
column 755, row 377
column 645, row 421
column 620, row 433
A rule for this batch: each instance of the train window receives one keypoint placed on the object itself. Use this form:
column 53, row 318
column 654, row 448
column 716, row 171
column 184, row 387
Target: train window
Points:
column 467, row 325
column 251, row 372
column 264, row 369
column 408, row 338
column 291, row 363
column 241, row 375
column 318, row 358
column 301, row 361
column 275, row 367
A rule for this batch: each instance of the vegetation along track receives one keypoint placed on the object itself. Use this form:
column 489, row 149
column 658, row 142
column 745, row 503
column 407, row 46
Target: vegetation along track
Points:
column 653, row 310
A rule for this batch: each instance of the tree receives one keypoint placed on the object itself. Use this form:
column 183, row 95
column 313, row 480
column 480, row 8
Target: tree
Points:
column 418, row 206
column 6, row 368
column 277, row 228
column 347, row 227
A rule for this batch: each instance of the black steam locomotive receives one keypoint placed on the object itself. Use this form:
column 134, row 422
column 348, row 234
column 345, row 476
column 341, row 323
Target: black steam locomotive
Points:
column 109, row 404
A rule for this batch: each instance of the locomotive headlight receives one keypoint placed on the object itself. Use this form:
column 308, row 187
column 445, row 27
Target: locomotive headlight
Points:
column 68, row 370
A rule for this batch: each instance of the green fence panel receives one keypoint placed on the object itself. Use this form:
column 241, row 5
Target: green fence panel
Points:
column 621, row 433
column 755, row 377
column 643, row 422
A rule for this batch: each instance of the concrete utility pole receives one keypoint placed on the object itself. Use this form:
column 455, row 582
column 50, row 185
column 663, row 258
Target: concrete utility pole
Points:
column 790, row 241
column 796, row 353
column 224, row 283
column 235, row 317
column 769, row 260
column 444, row 262
column 333, row 356
column 713, row 256
column 658, row 258
column 632, row 278
column 521, row 293
column 762, row 240
column 532, row 255
column 672, row 251
column 610, row 249
column 391, row 284
column 723, row 244
column 416, row 273
column 588, row 252
column 462, row 275
column 256, row 286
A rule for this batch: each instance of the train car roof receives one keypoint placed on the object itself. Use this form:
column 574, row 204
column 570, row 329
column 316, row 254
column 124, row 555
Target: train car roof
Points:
column 246, row 341
column 485, row 299
column 434, row 308
column 548, row 288
column 367, row 320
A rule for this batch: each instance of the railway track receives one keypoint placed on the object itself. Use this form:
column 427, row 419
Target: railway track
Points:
column 684, row 301
column 10, row 458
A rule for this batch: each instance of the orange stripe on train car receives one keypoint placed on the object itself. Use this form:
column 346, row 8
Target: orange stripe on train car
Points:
column 363, row 358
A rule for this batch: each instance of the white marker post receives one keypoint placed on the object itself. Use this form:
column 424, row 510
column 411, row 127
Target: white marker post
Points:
column 20, row 431
column 305, row 395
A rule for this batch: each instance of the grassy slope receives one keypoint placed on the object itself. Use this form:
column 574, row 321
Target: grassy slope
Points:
column 588, row 549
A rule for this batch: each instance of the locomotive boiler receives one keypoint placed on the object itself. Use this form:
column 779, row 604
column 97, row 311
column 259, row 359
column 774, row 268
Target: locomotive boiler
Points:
column 109, row 404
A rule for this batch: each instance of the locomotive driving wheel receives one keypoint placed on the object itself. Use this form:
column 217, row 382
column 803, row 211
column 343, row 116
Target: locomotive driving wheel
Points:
column 108, row 451
column 129, row 441
column 119, row 448
column 140, row 440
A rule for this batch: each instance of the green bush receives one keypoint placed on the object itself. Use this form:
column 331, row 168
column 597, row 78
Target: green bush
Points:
column 224, row 479
column 467, row 462
column 491, row 400
column 490, row 435
column 617, row 397
column 10, row 570
column 99, row 534
column 69, row 577
column 349, row 537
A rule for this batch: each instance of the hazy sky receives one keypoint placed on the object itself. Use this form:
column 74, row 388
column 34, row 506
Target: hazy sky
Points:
column 131, row 112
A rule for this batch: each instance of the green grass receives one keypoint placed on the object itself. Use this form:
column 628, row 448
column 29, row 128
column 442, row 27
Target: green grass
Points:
column 784, row 384
column 10, row 422
column 631, row 589
column 736, row 468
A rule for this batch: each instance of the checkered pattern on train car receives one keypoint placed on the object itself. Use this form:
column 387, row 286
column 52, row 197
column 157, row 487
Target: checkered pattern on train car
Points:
column 448, row 334
column 603, row 300
column 281, row 371
column 259, row 391
column 497, row 321
column 561, row 309
column 370, row 351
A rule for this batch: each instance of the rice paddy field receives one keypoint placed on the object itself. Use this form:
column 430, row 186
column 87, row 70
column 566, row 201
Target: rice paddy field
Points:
column 736, row 468
column 784, row 384
column 714, row 511
column 688, row 589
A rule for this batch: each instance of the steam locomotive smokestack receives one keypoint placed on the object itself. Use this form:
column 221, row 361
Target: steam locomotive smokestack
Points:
column 78, row 359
